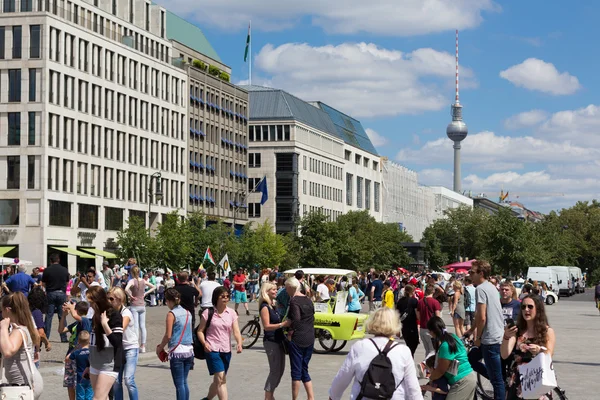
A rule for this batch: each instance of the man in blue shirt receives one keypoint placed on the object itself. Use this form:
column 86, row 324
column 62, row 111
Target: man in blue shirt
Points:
column 376, row 292
column 19, row 282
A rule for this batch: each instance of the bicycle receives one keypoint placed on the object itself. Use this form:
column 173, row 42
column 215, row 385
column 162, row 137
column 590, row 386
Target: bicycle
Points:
column 251, row 332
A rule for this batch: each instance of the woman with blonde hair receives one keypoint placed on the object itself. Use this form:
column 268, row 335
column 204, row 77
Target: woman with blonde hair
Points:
column 383, row 324
column 18, row 345
column 136, row 289
column 118, row 299
column 273, row 337
column 457, row 308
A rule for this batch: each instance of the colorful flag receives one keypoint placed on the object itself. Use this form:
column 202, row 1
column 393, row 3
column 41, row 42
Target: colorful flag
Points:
column 247, row 45
column 224, row 264
column 208, row 257
column 262, row 187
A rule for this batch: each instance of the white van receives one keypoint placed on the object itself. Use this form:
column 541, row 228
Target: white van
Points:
column 545, row 274
column 565, row 288
column 575, row 273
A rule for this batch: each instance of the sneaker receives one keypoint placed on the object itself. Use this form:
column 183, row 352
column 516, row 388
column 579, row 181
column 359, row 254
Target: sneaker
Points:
column 247, row 312
column 142, row 349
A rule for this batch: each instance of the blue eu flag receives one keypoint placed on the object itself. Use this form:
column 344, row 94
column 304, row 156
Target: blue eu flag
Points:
column 262, row 187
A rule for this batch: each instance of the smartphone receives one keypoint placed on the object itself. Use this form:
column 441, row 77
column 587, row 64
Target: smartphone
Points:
column 510, row 322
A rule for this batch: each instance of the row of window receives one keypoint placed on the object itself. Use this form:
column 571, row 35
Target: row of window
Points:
column 332, row 215
column 363, row 192
column 323, row 168
column 269, row 133
column 16, row 31
column 60, row 214
column 210, row 164
column 15, row 137
column 199, row 130
column 358, row 159
column 322, row 191
column 13, row 172
column 225, row 102
column 210, row 197
column 15, row 81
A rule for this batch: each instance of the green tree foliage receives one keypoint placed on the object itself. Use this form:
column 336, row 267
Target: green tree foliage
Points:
column 172, row 239
column 262, row 247
column 134, row 241
column 318, row 242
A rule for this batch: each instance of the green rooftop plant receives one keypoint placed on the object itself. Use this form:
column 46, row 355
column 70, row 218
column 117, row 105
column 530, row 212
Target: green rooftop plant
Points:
column 199, row 64
column 224, row 76
column 214, row 71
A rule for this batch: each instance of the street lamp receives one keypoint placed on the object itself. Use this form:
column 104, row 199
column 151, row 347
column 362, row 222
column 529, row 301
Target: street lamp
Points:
column 158, row 194
column 241, row 193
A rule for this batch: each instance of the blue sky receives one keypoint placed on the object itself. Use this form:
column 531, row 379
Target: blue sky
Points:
column 527, row 81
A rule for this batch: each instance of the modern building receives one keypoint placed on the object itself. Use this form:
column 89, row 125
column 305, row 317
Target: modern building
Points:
column 312, row 156
column 405, row 202
column 446, row 199
column 96, row 125
column 218, row 128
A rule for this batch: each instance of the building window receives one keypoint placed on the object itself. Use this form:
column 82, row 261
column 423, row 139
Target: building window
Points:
column 349, row 179
column 14, row 85
column 60, row 213
column 31, row 135
column 9, row 212
column 357, row 158
column 304, row 162
column 254, row 210
column 88, row 216
column 254, row 160
column 14, row 129
column 347, row 155
column 30, row 172
column 13, row 172
column 113, row 218
column 359, row 190
column 32, row 84
column 375, row 165
column 26, row 5
column 367, row 194
column 9, row 6
column 35, row 40
column 17, row 33
column 376, row 196
column 2, row 37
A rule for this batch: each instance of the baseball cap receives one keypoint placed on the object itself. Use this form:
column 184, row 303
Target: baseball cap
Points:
column 413, row 281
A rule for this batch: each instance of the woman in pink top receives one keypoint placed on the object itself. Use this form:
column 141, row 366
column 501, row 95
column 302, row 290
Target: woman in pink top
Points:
column 136, row 289
column 217, row 340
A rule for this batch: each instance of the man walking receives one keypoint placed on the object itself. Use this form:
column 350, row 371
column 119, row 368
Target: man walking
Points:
column 470, row 308
column 239, row 290
column 376, row 293
column 597, row 296
column 55, row 281
column 206, row 291
column 427, row 308
column 108, row 274
column 189, row 293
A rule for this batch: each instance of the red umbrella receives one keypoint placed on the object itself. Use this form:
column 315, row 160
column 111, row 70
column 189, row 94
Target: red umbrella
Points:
column 462, row 265
column 403, row 270
column 462, row 271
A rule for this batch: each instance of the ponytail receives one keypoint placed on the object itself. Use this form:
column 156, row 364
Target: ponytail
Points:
column 437, row 326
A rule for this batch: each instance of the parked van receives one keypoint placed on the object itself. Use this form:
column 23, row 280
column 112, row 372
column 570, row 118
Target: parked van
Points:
column 544, row 274
column 577, row 277
column 565, row 287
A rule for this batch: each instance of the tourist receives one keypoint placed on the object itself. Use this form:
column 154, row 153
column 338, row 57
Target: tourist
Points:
column 118, row 299
column 470, row 308
column 427, row 308
column 38, row 305
column 189, row 294
column 253, row 286
column 457, row 308
column 511, row 307
column 206, row 290
column 18, row 345
column 178, row 336
column 273, row 338
column 85, row 282
column 136, row 289
column 355, row 297
column 107, row 274
column 322, row 291
column 375, row 293
column 79, row 312
column 239, row 290
column 383, row 324
column 407, row 308
column 597, row 296
column 301, row 336
column 55, row 281
column 217, row 341
column 19, row 282
column 388, row 295
column 81, row 358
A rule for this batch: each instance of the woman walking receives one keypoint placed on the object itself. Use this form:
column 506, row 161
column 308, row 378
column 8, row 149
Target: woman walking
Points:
column 355, row 296
column 217, row 341
column 407, row 307
column 18, row 346
column 457, row 308
column 117, row 297
column 301, row 337
column 106, row 343
column 178, row 335
column 136, row 289
column 273, row 337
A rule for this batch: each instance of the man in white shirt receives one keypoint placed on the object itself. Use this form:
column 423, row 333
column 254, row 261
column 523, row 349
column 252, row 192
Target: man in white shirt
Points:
column 206, row 291
column 322, row 290
column 87, row 281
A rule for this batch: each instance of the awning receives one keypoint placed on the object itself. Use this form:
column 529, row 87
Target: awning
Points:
column 5, row 249
column 74, row 252
column 100, row 253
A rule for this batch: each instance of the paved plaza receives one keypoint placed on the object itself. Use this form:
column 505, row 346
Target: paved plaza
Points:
column 577, row 360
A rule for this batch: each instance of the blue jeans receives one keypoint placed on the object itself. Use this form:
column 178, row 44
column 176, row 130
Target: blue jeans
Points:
column 84, row 391
column 139, row 319
column 127, row 376
column 180, row 368
column 493, row 365
column 299, row 359
column 56, row 300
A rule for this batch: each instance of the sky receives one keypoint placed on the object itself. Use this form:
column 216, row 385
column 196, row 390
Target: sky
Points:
column 527, row 79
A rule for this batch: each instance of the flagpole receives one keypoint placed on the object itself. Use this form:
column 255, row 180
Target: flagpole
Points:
column 250, row 55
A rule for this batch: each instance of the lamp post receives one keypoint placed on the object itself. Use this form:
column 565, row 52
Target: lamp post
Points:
column 241, row 193
column 153, row 193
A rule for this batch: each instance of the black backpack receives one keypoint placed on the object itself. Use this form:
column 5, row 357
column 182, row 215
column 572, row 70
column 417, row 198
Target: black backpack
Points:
column 378, row 381
column 199, row 351
column 468, row 299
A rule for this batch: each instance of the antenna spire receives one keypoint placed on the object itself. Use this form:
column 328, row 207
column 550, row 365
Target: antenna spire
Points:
column 457, row 100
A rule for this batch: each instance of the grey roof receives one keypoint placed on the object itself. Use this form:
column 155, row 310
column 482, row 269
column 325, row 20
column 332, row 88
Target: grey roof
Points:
column 275, row 104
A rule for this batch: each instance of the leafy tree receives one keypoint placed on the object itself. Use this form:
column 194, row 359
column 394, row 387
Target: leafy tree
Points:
column 318, row 242
column 173, row 242
column 134, row 241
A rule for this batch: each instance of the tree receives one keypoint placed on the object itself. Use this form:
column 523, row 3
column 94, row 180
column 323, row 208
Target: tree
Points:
column 261, row 247
column 318, row 242
column 173, row 242
column 134, row 241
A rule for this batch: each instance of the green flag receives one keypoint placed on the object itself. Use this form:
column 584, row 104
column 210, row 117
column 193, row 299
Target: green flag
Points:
column 247, row 45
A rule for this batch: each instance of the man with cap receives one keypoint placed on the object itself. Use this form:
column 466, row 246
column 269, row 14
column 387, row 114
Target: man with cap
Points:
column 108, row 274
column 19, row 282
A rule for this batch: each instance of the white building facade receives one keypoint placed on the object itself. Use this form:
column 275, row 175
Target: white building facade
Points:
column 94, row 112
column 446, row 199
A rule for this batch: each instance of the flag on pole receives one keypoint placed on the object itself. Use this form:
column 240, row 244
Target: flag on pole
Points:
column 247, row 45
column 262, row 187
column 208, row 256
column 224, row 264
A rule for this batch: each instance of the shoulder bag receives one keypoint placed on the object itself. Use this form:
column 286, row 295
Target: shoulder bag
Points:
column 30, row 392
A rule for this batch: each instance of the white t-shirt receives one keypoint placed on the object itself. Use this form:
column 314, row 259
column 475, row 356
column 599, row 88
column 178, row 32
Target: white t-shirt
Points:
column 323, row 291
column 84, row 289
column 100, row 280
column 130, row 337
column 207, row 288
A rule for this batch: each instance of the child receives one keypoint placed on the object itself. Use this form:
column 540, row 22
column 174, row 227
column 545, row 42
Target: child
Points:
column 79, row 312
column 388, row 295
column 81, row 357
column 438, row 388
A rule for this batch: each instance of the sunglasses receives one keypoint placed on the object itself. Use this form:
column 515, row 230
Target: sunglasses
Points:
column 112, row 298
column 527, row 306
column 224, row 296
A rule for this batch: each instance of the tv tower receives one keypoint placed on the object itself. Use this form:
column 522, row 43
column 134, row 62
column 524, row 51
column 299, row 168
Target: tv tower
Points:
column 457, row 130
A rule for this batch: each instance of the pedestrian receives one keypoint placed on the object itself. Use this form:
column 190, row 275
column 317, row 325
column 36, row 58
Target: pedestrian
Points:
column 511, row 307
column 427, row 308
column 18, row 345
column 239, row 290
column 457, row 308
column 79, row 312
column 136, row 289
column 106, row 343
column 388, row 295
column 217, row 341
column 19, row 282
column 489, row 324
column 55, row 281
column 376, row 293
column 81, row 357
column 253, row 286
column 355, row 297
column 118, row 299
column 160, row 288
column 322, row 291
column 178, row 336
column 206, row 290
column 38, row 305
column 301, row 337
column 407, row 308
column 85, row 282
column 152, row 293
column 470, row 307
column 597, row 296
column 189, row 294
column 273, row 339
column 107, row 274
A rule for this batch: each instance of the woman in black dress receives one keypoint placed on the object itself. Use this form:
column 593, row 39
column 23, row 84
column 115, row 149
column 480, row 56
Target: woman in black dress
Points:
column 407, row 306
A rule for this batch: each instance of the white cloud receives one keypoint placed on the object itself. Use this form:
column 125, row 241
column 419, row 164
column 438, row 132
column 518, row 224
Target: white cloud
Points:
column 376, row 138
column 362, row 79
column 535, row 74
column 579, row 126
column 525, row 119
column 382, row 17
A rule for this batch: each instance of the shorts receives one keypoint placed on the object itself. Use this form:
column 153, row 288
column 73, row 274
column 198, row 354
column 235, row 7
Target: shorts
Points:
column 112, row 374
column 70, row 376
column 239, row 297
column 469, row 317
column 217, row 362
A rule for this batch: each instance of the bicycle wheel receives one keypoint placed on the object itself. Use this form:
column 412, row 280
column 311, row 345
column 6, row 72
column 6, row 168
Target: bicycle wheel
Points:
column 338, row 348
column 484, row 390
column 326, row 342
column 250, row 333
column 558, row 394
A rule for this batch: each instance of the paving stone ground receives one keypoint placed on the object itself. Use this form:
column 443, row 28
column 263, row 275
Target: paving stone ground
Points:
column 577, row 361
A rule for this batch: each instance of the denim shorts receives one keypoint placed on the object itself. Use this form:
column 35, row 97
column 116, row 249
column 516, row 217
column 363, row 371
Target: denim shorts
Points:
column 218, row 362
column 299, row 359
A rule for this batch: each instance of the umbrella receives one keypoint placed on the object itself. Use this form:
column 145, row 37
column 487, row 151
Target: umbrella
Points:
column 462, row 265
column 403, row 270
column 462, row 271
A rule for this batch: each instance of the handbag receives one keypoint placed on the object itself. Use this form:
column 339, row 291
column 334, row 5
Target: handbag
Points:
column 163, row 355
column 199, row 351
column 537, row 377
column 22, row 392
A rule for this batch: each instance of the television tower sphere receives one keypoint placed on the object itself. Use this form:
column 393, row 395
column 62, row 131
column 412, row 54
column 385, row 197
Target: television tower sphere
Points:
column 457, row 130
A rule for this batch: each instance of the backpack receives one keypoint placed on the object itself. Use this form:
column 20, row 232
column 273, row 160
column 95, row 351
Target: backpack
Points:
column 199, row 351
column 467, row 298
column 378, row 381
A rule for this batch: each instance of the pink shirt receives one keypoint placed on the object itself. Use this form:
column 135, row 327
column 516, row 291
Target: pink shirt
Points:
column 218, row 335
